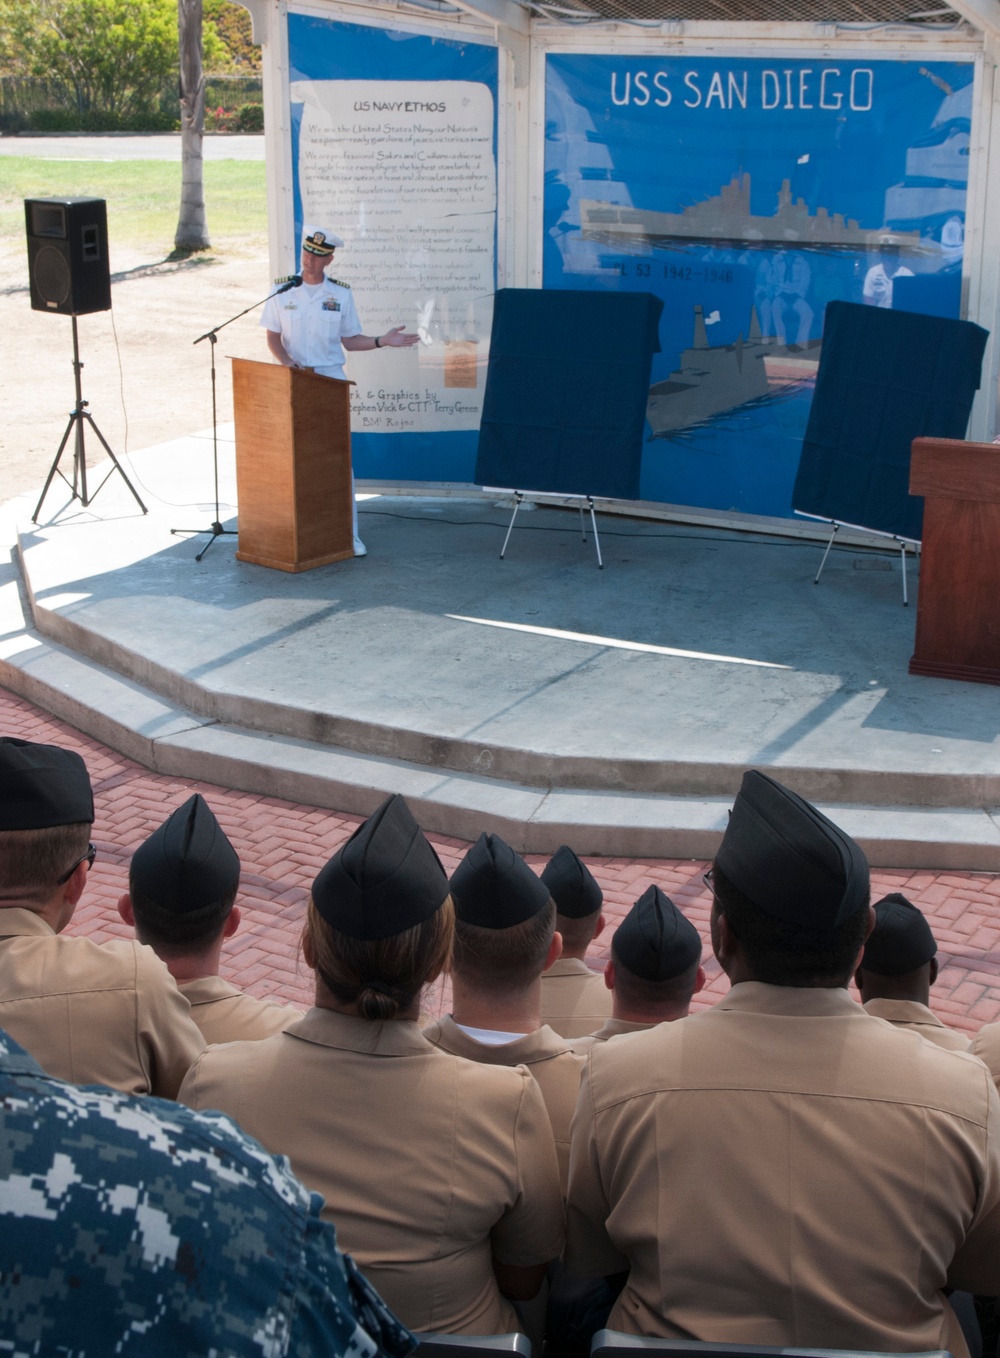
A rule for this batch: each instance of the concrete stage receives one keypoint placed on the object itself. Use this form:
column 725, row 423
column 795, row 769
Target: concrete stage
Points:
column 539, row 696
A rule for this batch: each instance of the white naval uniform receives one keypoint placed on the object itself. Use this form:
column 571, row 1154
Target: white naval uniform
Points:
column 877, row 288
column 312, row 319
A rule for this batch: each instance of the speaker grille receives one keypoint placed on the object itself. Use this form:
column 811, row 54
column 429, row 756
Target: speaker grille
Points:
column 52, row 275
column 68, row 255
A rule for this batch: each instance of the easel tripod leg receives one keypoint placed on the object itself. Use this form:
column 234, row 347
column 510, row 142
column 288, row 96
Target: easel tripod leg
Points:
column 836, row 530
column 510, row 526
column 597, row 540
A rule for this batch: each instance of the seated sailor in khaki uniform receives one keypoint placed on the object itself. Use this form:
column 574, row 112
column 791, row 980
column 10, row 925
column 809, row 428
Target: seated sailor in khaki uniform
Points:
column 780, row 1169
column 439, row 1174
column 182, row 888
column 575, row 999
column 986, row 1045
column 89, row 1013
column 654, row 969
column 898, row 968
column 505, row 938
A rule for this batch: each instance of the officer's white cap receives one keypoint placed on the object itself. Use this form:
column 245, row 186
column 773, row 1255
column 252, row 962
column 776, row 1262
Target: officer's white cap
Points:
column 317, row 240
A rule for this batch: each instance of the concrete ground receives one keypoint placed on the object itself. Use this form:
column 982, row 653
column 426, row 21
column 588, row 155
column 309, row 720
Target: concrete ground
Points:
column 145, row 379
column 691, row 649
column 283, row 845
column 617, row 708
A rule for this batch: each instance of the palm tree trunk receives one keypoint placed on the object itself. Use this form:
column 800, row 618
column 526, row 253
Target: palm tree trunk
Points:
column 192, row 227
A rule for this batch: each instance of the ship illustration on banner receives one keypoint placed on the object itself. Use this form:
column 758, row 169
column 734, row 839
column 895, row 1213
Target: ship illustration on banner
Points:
column 726, row 219
column 714, row 380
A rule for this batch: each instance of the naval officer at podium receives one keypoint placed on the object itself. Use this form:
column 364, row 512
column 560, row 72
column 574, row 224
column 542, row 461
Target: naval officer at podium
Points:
column 310, row 326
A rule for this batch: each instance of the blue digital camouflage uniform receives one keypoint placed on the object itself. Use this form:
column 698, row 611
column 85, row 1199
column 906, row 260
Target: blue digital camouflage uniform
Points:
column 134, row 1225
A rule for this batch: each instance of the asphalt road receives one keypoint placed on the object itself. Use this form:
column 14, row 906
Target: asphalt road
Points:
column 126, row 146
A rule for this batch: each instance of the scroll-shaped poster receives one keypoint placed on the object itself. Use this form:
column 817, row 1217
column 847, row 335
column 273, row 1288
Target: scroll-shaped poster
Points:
column 405, row 172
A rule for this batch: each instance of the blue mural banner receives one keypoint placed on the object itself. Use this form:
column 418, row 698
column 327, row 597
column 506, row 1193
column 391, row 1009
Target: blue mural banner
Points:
column 394, row 148
column 747, row 194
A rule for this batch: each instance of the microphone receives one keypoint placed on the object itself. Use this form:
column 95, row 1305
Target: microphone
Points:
column 293, row 280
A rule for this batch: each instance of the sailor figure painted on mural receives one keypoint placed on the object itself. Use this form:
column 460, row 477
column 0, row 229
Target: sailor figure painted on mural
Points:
column 748, row 194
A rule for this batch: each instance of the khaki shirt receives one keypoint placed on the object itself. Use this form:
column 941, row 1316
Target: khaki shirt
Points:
column 428, row 1165
column 612, row 1028
column 575, row 1000
column 546, row 1055
column 225, row 1014
column 986, row 1045
column 919, row 1019
column 782, row 1170
column 91, row 1013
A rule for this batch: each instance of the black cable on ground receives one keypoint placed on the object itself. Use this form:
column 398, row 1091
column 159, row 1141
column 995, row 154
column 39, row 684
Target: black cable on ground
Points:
column 744, row 540
column 153, row 495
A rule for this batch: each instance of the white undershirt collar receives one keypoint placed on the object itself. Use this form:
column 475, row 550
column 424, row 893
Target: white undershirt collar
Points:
column 489, row 1037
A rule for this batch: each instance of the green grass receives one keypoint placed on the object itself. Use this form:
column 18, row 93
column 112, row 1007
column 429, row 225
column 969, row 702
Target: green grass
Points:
column 143, row 196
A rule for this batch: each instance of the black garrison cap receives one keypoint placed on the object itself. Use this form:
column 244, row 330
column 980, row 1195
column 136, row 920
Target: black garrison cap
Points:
column 572, row 885
column 187, row 863
column 494, row 888
column 655, row 941
column 901, row 940
column 386, row 878
column 42, row 786
column 789, row 860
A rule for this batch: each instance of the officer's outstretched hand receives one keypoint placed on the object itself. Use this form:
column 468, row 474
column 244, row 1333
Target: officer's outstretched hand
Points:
column 398, row 339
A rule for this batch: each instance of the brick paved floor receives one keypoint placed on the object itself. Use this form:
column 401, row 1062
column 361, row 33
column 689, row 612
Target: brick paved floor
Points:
column 283, row 845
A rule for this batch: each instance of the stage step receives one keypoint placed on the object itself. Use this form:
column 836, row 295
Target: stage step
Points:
column 169, row 739
column 539, row 697
column 264, row 698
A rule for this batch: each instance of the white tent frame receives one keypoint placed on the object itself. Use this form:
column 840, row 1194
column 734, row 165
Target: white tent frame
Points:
column 523, row 43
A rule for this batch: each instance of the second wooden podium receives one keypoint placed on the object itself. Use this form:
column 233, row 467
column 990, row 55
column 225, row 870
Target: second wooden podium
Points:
column 958, row 606
column 293, row 466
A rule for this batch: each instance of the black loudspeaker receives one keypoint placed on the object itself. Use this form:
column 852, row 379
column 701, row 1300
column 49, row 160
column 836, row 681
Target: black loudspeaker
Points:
column 68, row 255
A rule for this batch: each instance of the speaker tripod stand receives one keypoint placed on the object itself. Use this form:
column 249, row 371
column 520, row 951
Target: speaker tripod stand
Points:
column 80, row 415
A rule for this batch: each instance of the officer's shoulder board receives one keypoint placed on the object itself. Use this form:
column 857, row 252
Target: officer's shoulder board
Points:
column 339, row 283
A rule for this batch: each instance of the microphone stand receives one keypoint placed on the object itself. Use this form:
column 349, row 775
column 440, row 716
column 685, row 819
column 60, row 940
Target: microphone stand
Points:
column 217, row 530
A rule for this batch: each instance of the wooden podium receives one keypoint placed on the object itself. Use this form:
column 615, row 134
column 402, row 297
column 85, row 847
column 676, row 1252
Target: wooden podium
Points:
column 293, row 466
column 958, row 605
